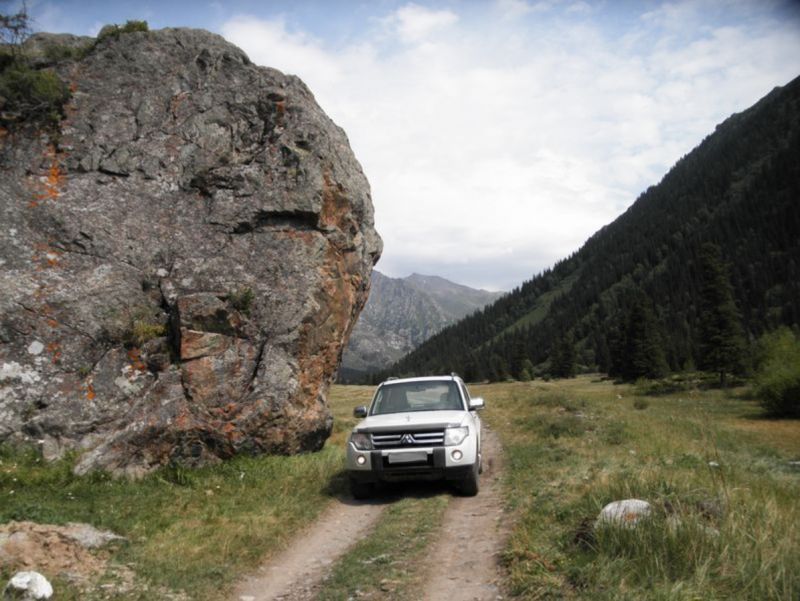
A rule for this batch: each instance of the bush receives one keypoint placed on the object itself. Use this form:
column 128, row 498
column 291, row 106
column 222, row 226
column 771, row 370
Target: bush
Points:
column 26, row 94
column 30, row 94
column 242, row 300
column 142, row 331
column 57, row 53
column 778, row 378
column 134, row 326
column 114, row 31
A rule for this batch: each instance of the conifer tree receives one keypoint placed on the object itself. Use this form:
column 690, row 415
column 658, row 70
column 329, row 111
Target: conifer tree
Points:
column 721, row 338
column 644, row 342
column 637, row 348
column 562, row 358
column 498, row 369
column 526, row 374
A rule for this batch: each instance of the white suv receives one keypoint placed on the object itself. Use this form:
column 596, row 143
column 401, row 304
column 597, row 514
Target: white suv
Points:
column 417, row 429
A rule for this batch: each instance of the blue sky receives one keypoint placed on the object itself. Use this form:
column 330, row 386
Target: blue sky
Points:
column 499, row 135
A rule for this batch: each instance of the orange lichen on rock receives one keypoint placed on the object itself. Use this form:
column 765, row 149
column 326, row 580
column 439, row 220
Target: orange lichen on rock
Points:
column 335, row 205
column 54, row 348
column 134, row 356
column 46, row 256
column 50, row 189
column 51, row 185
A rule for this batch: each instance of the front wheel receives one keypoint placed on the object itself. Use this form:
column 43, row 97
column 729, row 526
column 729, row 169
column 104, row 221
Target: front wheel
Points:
column 470, row 485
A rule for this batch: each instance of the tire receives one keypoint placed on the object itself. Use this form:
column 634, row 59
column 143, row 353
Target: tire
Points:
column 360, row 490
column 470, row 485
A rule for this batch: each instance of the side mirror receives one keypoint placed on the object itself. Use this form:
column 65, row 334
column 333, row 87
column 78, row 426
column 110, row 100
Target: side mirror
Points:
column 360, row 411
column 476, row 404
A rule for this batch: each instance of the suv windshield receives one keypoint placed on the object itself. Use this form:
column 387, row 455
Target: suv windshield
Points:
column 417, row 396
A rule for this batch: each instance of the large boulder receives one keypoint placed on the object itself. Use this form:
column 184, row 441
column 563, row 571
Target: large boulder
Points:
column 181, row 263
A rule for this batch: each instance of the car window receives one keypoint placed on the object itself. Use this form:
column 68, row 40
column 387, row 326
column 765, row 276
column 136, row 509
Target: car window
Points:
column 417, row 396
column 465, row 392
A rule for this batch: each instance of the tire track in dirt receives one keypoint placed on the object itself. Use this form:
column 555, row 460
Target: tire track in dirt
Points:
column 296, row 573
column 464, row 561
column 464, row 557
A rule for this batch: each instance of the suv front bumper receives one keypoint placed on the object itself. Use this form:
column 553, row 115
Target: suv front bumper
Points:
column 394, row 465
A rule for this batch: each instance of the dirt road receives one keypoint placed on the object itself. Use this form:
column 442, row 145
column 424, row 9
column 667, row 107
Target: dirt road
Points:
column 466, row 565
column 295, row 574
column 466, row 550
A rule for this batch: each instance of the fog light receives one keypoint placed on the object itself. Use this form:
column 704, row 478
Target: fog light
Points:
column 456, row 455
column 361, row 460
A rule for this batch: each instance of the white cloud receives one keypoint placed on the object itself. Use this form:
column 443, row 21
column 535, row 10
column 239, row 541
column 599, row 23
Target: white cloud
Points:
column 512, row 9
column 579, row 7
column 269, row 43
column 415, row 23
column 506, row 142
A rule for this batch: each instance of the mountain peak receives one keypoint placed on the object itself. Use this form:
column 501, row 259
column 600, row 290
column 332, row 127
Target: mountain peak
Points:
column 401, row 313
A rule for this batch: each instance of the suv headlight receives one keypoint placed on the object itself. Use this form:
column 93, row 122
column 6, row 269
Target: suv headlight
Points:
column 361, row 440
column 455, row 436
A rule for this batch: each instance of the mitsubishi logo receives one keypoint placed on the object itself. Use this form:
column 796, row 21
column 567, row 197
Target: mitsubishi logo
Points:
column 407, row 439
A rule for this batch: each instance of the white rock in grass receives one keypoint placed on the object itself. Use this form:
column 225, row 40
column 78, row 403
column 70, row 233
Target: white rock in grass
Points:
column 28, row 586
column 623, row 513
column 90, row 537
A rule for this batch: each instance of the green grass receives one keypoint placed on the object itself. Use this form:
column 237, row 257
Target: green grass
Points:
column 387, row 564
column 191, row 531
column 716, row 532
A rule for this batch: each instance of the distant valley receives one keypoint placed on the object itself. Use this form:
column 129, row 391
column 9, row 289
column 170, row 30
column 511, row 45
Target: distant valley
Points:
column 401, row 314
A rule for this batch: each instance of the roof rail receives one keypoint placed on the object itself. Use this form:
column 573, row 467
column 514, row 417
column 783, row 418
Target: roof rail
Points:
column 453, row 374
column 390, row 378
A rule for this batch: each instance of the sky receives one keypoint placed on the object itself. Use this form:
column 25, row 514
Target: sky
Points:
column 499, row 135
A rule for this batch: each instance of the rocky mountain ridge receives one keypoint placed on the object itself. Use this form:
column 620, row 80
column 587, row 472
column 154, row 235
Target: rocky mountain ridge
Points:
column 401, row 314
column 182, row 260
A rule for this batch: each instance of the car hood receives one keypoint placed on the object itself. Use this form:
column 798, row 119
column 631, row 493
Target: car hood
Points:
column 412, row 420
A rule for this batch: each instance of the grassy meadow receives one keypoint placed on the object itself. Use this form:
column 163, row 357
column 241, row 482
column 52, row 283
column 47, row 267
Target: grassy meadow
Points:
column 187, row 530
column 719, row 477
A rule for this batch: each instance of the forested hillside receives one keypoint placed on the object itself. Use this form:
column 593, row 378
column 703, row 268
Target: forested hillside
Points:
column 739, row 189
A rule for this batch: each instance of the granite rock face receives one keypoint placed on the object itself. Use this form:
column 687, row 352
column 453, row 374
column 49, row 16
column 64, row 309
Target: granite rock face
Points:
column 182, row 266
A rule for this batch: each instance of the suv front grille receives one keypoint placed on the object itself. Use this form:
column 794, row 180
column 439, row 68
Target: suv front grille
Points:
column 393, row 440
